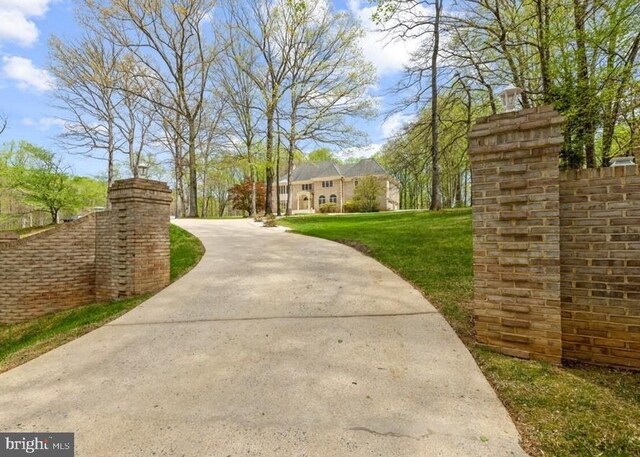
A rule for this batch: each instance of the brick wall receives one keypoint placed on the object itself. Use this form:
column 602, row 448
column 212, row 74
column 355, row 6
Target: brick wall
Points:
column 556, row 254
column 49, row 271
column 514, row 158
column 100, row 257
column 138, row 259
column 600, row 252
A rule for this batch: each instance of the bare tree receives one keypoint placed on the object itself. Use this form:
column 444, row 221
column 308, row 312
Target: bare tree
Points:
column 263, row 26
column 85, row 74
column 424, row 20
column 169, row 43
column 245, row 115
column 326, row 82
column 95, row 85
column 211, row 140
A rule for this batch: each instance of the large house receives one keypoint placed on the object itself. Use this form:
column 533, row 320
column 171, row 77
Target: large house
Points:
column 313, row 184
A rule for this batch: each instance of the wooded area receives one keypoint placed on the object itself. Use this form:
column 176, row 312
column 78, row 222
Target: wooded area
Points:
column 232, row 89
column 214, row 94
column 579, row 55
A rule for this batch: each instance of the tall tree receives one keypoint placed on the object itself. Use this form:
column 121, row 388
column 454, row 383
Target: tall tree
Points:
column 173, row 51
column 242, row 95
column 266, row 27
column 85, row 71
column 327, row 80
column 422, row 20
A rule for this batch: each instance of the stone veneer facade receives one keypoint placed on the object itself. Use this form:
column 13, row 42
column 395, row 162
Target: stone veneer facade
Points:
column 100, row 257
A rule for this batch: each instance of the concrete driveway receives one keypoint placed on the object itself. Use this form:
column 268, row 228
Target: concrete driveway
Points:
column 274, row 345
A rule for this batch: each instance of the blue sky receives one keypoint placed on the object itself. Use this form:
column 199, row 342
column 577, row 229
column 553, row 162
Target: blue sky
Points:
column 26, row 88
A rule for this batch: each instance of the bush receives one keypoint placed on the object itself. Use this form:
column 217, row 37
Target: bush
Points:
column 270, row 221
column 351, row 206
column 258, row 218
column 328, row 208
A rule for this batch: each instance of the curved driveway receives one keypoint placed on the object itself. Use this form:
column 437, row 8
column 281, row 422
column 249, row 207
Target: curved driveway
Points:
column 274, row 345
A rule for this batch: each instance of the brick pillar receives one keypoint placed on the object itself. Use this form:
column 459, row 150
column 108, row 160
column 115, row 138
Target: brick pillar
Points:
column 133, row 240
column 515, row 179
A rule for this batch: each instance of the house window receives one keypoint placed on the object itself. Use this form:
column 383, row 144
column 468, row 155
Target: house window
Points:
column 333, row 199
column 322, row 200
column 308, row 187
column 283, row 189
column 327, row 183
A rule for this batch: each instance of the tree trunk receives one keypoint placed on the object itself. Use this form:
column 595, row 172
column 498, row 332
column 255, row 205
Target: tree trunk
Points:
column 290, row 165
column 269, row 156
column 253, row 177
column 110, row 153
column 585, row 124
column 193, row 175
column 278, row 211
column 204, row 189
column 435, row 159
column 542, row 14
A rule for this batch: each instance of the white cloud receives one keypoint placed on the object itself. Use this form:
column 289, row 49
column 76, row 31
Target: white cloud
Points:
column 387, row 55
column 16, row 20
column 49, row 122
column 44, row 123
column 361, row 152
column 26, row 74
column 395, row 123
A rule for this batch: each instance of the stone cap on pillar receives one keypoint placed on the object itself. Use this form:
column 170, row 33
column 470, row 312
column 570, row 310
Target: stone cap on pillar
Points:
column 139, row 189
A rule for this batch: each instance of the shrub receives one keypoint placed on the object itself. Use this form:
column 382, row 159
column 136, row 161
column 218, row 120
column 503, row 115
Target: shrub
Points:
column 270, row 221
column 351, row 206
column 328, row 208
column 258, row 218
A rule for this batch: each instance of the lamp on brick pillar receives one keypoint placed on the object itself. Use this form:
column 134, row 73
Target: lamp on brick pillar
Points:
column 143, row 170
column 622, row 161
column 509, row 97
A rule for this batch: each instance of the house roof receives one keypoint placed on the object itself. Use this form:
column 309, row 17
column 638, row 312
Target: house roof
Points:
column 364, row 167
column 327, row 169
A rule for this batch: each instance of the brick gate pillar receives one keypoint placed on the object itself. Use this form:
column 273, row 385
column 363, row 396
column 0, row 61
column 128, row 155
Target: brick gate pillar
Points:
column 132, row 245
column 516, row 233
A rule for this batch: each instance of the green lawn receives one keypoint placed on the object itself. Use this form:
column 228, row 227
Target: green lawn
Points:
column 186, row 251
column 27, row 340
column 580, row 411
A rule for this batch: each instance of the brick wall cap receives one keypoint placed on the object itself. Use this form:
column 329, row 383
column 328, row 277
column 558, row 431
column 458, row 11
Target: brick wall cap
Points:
column 46, row 233
column 140, row 183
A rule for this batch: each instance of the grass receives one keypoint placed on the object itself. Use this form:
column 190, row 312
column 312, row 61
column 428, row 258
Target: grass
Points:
column 25, row 232
column 186, row 251
column 24, row 341
column 28, row 231
column 560, row 411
